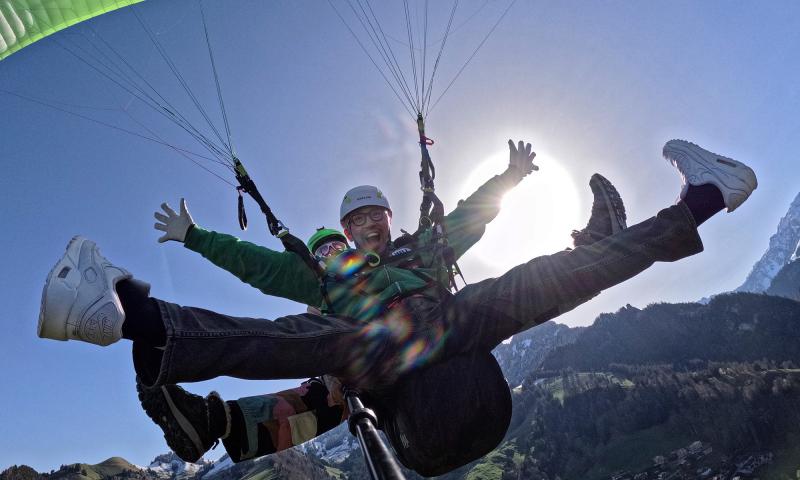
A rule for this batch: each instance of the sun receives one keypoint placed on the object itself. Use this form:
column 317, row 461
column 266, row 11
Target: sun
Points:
column 536, row 217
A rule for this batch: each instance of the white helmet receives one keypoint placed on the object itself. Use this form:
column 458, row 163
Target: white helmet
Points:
column 362, row 196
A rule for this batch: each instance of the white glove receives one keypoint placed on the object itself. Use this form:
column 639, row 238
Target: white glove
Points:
column 174, row 225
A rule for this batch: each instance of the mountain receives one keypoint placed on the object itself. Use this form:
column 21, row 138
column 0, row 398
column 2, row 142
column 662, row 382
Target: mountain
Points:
column 781, row 247
column 21, row 472
column 639, row 388
column 333, row 447
column 527, row 350
column 787, row 282
column 171, row 466
column 655, row 422
column 289, row 464
column 114, row 467
column 166, row 466
column 736, row 327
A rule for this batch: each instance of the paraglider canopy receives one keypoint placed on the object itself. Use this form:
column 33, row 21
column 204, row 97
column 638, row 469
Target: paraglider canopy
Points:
column 23, row 22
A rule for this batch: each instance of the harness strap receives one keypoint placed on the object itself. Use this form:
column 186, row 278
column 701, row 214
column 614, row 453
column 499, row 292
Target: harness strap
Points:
column 431, row 210
column 276, row 227
column 246, row 185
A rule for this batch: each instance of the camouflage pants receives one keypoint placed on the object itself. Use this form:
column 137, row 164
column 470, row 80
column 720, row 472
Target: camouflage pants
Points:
column 265, row 424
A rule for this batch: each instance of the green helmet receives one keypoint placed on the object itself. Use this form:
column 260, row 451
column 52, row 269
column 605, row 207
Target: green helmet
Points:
column 323, row 235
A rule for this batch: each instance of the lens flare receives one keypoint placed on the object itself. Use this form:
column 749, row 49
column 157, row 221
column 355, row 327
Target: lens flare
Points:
column 394, row 344
column 347, row 263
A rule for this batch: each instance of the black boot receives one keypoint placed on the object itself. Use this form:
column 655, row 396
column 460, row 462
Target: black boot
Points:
column 608, row 213
column 191, row 424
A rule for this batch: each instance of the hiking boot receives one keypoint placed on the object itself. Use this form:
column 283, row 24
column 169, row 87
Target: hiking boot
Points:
column 79, row 301
column 189, row 427
column 608, row 213
column 698, row 166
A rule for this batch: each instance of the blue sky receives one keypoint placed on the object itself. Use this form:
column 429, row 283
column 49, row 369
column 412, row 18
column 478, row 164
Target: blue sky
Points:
column 595, row 86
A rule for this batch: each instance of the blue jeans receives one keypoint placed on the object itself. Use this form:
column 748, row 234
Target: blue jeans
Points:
column 202, row 344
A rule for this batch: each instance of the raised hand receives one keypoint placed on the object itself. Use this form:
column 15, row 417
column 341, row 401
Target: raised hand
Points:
column 521, row 158
column 175, row 225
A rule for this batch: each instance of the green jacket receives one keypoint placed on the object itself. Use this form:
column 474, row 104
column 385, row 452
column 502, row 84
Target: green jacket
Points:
column 283, row 274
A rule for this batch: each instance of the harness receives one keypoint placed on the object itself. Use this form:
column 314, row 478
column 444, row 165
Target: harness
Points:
column 407, row 248
column 362, row 421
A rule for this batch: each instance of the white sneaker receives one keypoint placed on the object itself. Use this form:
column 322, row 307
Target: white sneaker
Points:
column 79, row 300
column 698, row 166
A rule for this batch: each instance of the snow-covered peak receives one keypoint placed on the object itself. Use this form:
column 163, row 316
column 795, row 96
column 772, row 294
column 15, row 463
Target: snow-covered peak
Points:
column 783, row 247
column 220, row 466
column 169, row 465
column 335, row 446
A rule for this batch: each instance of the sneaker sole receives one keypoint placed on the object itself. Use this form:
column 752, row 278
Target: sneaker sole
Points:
column 612, row 201
column 180, row 435
column 699, row 166
column 58, row 286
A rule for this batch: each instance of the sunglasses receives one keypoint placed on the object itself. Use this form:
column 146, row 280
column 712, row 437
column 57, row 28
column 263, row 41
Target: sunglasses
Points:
column 330, row 248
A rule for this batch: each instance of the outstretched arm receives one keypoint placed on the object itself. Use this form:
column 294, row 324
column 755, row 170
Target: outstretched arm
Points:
column 466, row 224
column 281, row 274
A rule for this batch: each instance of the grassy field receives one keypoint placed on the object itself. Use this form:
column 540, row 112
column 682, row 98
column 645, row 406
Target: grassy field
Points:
column 335, row 472
column 635, row 452
column 787, row 462
column 492, row 465
column 555, row 385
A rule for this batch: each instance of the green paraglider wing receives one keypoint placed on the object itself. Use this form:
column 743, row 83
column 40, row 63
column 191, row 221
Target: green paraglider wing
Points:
column 23, row 22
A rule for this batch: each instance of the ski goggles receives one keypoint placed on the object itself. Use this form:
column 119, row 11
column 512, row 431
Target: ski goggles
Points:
column 330, row 248
column 359, row 219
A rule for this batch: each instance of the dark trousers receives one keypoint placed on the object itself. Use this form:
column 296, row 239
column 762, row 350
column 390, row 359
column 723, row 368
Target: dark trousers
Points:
column 202, row 344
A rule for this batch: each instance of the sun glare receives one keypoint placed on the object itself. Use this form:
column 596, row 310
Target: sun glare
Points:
column 536, row 217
